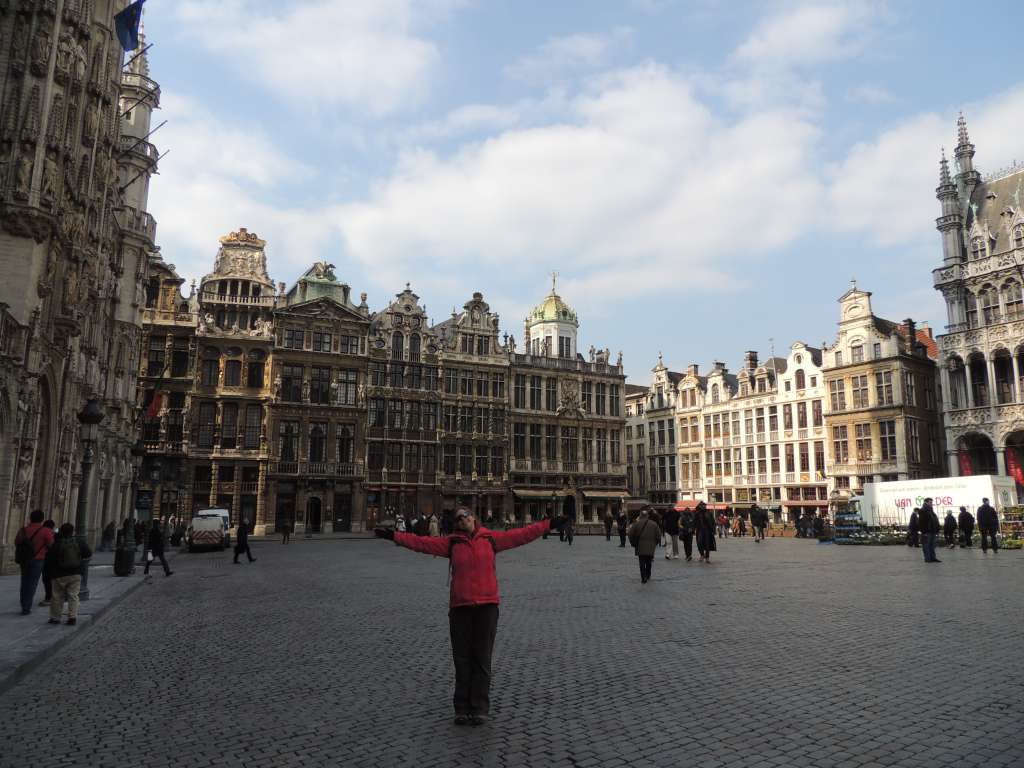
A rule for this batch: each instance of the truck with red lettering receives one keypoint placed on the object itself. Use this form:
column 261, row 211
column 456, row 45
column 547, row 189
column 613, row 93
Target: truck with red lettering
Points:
column 890, row 504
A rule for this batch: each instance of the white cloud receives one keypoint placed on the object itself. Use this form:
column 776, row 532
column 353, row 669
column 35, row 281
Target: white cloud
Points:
column 886, row 187
column 807, row 34
column 354, row 53
column 869, row 93
column 561, row 56
column 640, row 189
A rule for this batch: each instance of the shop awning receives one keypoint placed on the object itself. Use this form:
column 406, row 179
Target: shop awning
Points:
column 612, row 495
column 685, row 504
column 531, row 493
column 805, row 503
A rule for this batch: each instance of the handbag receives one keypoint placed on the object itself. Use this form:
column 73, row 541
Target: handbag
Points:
column 149, row 556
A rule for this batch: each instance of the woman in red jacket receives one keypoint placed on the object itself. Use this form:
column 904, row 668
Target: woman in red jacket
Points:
column 473, row 606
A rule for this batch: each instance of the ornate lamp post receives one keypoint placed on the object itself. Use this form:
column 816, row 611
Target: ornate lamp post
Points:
column 90, row 418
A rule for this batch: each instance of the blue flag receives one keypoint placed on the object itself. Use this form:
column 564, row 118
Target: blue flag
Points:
column 126, row 24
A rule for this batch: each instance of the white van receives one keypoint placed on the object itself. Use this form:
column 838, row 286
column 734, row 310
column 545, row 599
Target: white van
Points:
column 205, row 531
column 223, row 515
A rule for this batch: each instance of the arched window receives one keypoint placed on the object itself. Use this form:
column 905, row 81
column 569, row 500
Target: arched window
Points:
column 971, row 309
column 1018, row 236
column 1012, row 301
column 801, row 382
column 714, row 393
column 989, row 299
column 414, row 347
column 397, row 346
column 978, row 248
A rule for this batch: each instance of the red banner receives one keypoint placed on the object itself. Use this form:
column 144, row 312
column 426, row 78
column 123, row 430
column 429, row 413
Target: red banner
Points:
column 154, row 407
column 966, row 470
column 1013, row 466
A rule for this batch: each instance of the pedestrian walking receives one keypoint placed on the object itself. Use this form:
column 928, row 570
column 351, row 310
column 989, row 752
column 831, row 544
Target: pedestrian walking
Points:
column 988, row 526
column 928, row 522
column 670, row 521
column 966, row 523
column 286, row 531
column 47, row 573
column 949, row 529
column 758, row 521
column 704, row 526
column 644, row 535
column 156, row 549
column 686, row 528
column 66, row 556
column 622, row 525
column 723, row 525
column 242, row 542
column 743, row 525
column 473, row 601
column 608, row 520
column 109, row 534
column 913, row 528
column 31, row 545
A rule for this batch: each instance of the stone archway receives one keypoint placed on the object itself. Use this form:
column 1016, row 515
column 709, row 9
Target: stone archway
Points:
column 977, row 455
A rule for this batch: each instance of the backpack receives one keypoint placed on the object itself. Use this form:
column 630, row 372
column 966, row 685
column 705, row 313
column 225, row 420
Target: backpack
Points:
column 69, row 558
column 25, row 551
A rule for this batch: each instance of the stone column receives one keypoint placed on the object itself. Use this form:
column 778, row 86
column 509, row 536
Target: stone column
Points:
column 990, row 370
column 212, row 501
column 260, row 527
column 946, row 383
column 969, row 384
column 1016, row 378
column 953, row 458
column 1001, row 460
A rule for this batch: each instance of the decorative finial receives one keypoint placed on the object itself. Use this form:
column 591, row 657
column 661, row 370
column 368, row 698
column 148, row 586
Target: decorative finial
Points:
column 554, row 278
column 961, row 131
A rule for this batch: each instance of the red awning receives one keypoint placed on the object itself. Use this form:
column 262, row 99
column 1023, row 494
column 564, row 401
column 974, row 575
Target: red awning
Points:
column 685, row 504
column 805, row 503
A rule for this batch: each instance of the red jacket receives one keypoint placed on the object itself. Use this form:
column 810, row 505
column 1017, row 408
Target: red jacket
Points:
column 474, row 577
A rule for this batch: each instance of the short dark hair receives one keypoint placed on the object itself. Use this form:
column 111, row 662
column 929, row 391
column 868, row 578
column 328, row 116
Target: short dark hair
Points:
column 36, row 516
column 67, row 530
column 984, row 499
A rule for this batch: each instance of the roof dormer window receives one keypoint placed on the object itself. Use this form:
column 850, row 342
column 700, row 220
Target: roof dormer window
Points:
column 978, row 250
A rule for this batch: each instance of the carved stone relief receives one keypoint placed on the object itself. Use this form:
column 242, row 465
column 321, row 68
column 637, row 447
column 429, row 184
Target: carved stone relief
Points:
column 30, row 125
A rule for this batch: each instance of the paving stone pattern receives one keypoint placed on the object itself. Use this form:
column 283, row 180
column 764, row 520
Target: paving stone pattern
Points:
column 786, row 653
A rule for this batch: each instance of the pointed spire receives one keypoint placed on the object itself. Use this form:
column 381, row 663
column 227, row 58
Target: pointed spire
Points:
column 961, row 131
column 944, row 177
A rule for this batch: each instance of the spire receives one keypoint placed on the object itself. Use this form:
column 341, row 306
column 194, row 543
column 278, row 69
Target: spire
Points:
column 964, row 154
column 944, row 177
column 961, row 131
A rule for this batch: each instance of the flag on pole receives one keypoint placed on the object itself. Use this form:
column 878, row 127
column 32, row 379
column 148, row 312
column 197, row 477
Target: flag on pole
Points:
column 126, row 24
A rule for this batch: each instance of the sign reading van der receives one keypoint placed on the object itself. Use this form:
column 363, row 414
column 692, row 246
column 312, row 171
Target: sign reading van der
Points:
column 892, row 503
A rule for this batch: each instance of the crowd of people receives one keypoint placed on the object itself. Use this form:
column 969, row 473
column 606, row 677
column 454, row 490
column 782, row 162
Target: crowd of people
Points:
column 924, row 528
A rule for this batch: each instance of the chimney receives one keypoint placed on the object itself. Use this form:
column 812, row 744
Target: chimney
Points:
column 693, row 369
column 750, row 360
column 719, row 365
column 911, row 334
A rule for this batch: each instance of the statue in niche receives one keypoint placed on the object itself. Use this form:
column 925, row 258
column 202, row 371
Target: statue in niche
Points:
column 65, row 55
column 92, row 125
column 50, row 178
column 22, row 178
column 277, row 386
column 81, row 63
column 40, row 52
column 19, row 43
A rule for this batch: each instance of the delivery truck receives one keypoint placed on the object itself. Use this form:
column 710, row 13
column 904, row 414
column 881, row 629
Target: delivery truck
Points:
column 890, row 504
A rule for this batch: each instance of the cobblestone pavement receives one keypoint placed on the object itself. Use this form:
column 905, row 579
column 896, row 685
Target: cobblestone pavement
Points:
column 786, row 653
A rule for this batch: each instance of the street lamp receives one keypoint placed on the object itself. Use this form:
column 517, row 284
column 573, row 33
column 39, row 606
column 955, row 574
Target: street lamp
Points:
column 89, row 418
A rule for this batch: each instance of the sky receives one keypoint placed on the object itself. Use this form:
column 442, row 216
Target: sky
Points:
column 706, row 177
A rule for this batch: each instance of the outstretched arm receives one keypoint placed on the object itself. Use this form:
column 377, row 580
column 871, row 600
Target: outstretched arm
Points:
column 518, row 536
column 428, row 545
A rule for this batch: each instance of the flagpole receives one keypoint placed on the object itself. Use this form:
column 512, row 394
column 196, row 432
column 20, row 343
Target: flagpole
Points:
column 133, row 58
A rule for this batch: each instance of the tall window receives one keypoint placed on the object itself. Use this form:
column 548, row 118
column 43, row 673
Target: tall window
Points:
column 887, row 438
column 911, row 388
column 877, row 350
column 229, row 425
column 497, row 461
column 805, row 457
column 1012, row 300
column 535, row 385
column 551, row 395
column 840, row 445
column 569, row 444
column 317, row 441
column 253, row 422
column 288, row 437
column 564, row 346
column 414, row 347
column 599, row 398
column 397, row 346
column 347, row 386
column 155, row 358
column 588, row 397
column 914, row 440
column 519, row 440
column 790, row 457
column 787, row 416
column 857, row 353
column 978, row 248
column 614, row 405
column 801, row 415
column 291, row 383
column 321, row 341
column 232, row 373
column 377, row 412
column 859, row 385
column 348, row 345
column 209, row 370
column 396, row 375
column 551, row 442
column 839, row 358
column 837, row 391
column 714, row 393
column 862, row 434
column 483, row 346
column 320, row 386
column 519, row 391
column 817, row 418
column 616, row 447
column 971, row 308
column 883, row 387
column 819, row 459
column 294, row 338
column 989, row 299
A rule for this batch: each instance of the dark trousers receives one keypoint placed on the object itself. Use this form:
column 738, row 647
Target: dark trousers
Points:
column 157, row 556
column 967, row 537
column 240, row 548
column 608, row 532
column 30, row 573
column 472, row 631
column 950, row 538
column 285, row 535
column 622, row 537
column 912, row 539
column 687, row 537
column 985, row 534
column 928, row 546
column 47, row 585
column 646, row 561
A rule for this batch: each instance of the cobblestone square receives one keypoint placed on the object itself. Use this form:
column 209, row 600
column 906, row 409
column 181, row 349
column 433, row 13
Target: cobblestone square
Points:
column 786, row 653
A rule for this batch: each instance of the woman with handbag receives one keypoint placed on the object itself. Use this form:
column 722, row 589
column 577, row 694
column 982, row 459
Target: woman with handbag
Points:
column 644, row 535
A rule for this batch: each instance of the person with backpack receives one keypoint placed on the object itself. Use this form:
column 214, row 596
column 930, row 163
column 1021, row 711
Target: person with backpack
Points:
column 473, row 600
column 645, row 535
column 30, row 548
column 156, row 549
column 65, row 559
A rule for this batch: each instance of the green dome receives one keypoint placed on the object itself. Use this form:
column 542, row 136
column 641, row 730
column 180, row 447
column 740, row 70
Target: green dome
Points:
column 552, row 309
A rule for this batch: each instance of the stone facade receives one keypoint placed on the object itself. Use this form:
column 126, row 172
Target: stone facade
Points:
column 882, row 399
column 981, row 355
column 74, row 244
column 636, row 444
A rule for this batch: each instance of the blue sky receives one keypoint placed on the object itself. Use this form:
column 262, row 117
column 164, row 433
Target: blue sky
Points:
column 703, row 175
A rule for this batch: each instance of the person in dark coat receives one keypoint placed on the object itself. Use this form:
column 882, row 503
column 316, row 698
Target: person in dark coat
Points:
column 286, row 531
column 988, row 525
column 156, row 547
column 928, row 522
column 704, row 526
column 66, row 556
column 966, row 523
column 913, row 529
column 670, row 523
column 758, row 521
column 47, row 571
column 242, row 542
column 949, row 529
column 622, row 523
column 687, row 524
column 608, row 520
column 645, row 534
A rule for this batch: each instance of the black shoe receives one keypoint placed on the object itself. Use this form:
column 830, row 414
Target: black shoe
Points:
column 71, row 622
column 53, row 621
column 169, row 573
column 25, row 613
column 462, row 719
column 252, row 559
column 477, row 719
column 237, row 563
